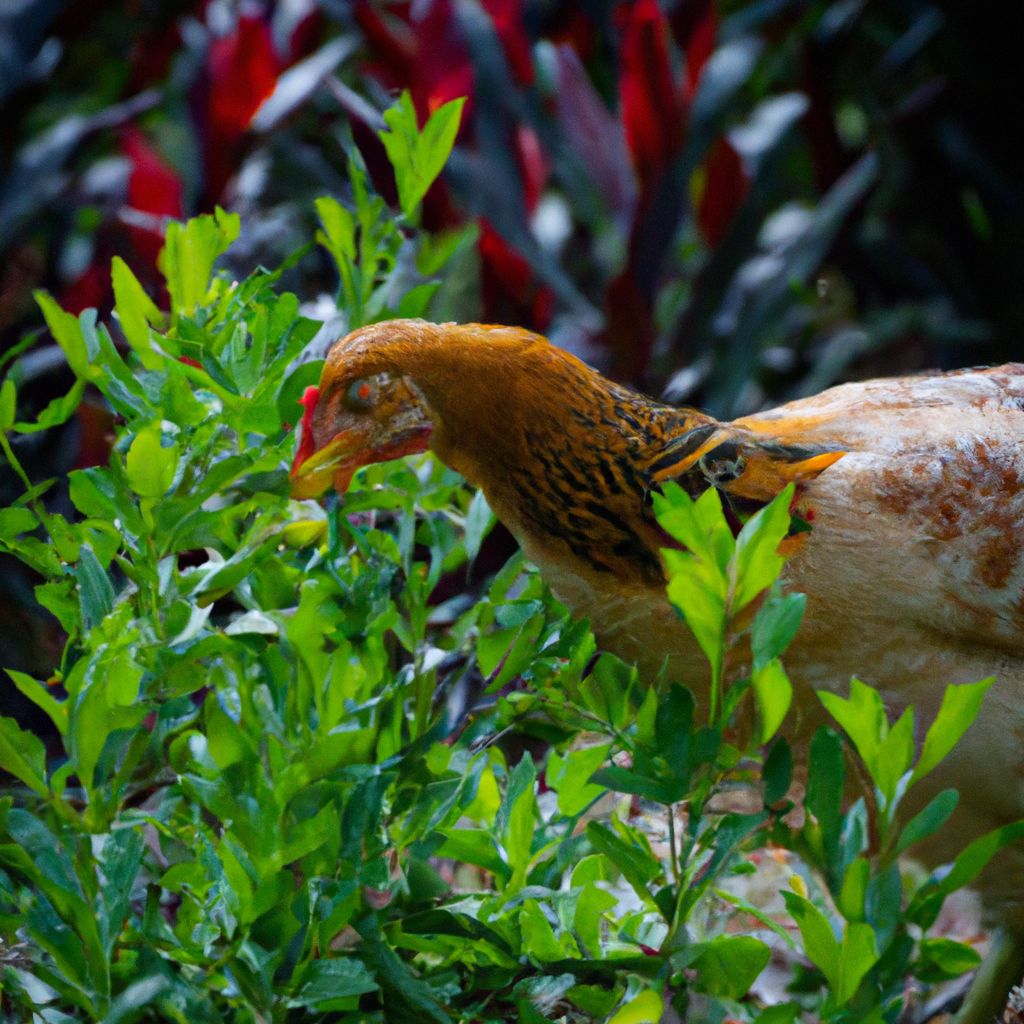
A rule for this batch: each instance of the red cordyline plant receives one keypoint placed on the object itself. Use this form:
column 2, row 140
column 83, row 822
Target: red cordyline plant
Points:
column 657, row 62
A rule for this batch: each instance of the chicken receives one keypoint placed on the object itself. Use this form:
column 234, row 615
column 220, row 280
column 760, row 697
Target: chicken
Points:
column 913, row 571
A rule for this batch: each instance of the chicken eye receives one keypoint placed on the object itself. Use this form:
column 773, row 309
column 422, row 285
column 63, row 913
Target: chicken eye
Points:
column 361, row 395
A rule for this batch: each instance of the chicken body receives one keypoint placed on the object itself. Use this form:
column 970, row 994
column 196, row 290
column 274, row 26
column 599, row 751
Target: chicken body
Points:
column 913, row 571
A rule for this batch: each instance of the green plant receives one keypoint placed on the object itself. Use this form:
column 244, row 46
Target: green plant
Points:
column 262, row 807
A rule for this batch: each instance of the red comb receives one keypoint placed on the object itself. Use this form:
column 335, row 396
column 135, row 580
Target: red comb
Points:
column 306, row 447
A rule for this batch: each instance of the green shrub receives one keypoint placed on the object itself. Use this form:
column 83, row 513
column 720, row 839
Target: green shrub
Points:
column 263, row 810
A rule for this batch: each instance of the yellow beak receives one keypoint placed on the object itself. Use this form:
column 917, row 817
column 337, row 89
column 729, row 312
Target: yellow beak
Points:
column 333, row 464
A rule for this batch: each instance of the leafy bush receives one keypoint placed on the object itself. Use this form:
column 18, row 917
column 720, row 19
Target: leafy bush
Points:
column 263, row 805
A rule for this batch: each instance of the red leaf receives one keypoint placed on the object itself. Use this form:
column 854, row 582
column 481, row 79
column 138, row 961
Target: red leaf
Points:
column 306, row 444
column 724, row 190
column 511, row 291
column 532, row 164
column 507, row 16
column 154, row 188
column 629, row 325
column 653, row 112
column 90, row 290
column 419, row 49
column 699, row 48
column 242, row 68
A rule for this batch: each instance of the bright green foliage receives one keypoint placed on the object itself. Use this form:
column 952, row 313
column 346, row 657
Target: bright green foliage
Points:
column 418, row 156
column 264, row 809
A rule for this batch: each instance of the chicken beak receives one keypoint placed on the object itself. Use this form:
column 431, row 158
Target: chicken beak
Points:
column 334, row 463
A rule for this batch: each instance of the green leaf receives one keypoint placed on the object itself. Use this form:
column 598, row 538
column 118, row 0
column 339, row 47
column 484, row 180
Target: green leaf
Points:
column 859, row 954
column 758, row 562
column 646, row 1008
column 189, row 253
column 479, row 520
column 23, row 755
column 67, row 332
column 700, row 526
column 150, row 465
column 338, row 236
column 729, row 964
column 8, row 405
column 516, row 818
column 943, row 959
column 777, row 773
column 325, row 985
column 539, row 940
column 673, row 724
column 136, row 311
column 59, row 598
column 825, row 777
column 775, row 625
column 637, row 864
column 959, row 708
column 42, row 698
column 862, row 718
column 780, row 1013
column 14, row 521
column 418, row 157
column 928, row 821
column 95, row 591
column 774, row 693
column 972, row 861
column 56, row 412
column 627, row 780
column 474, row 846
column 570, row 776
column 697, row 590
column 820, row 944
column 853, row 894
column 748, row 908
column 895, row 754
column 409, row 999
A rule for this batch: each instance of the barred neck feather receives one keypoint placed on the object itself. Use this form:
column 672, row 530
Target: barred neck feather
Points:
column 560, row 451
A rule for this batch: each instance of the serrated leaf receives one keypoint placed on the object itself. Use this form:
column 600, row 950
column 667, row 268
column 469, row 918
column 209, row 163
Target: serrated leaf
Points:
column 189, row 254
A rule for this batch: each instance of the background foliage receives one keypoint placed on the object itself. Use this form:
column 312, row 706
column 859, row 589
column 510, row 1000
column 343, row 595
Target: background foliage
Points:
column 727, row 203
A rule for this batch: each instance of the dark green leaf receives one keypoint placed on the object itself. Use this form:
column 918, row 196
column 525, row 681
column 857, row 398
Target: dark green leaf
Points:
column 23, row 755
column 729, row 964
column 928, row 821
column 325, row 985
column 95, row 591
